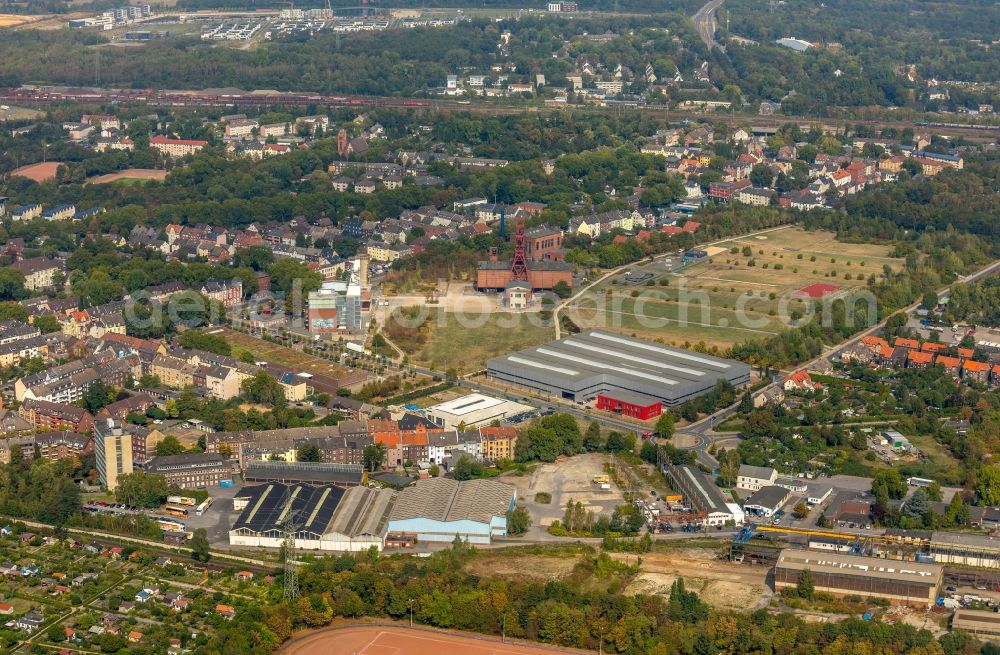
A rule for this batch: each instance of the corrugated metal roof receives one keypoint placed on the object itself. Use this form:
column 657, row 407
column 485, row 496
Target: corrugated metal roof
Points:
column 445, row 500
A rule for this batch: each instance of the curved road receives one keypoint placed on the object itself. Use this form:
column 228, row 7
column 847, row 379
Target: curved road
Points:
column 704, row 22
column 703, row 430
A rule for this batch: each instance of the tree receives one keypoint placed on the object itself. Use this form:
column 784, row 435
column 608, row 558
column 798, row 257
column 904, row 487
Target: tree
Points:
column 988, row 485
column 96, row 397
column 665, row 425
column 562, row 289
column 620, row 442
column 930, row 300
column 12, row 284
column 518, row 521
column 373, row 456
column 649, row 451
column 169, row 446
column 891, row 482
column 592, row 437
column 200, row 549
column 800, row 511
column 141, row 489
column 958, row 511
column 212, row 343
column 805, row 586
column 729, row 467
column 47, row 323
column 308, row 453
column 264, row 389
column 761, row 176
column 56, row 633
column 467, row 468
column 746, row 403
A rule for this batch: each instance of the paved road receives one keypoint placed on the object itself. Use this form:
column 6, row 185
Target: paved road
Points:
column 704, row 22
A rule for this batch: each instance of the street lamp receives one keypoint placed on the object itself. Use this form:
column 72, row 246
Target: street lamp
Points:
column 409, row 603
column 503, row 629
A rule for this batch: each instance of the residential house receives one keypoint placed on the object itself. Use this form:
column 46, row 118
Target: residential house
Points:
column 801, row 381
column 40, row 272
column 176, row 147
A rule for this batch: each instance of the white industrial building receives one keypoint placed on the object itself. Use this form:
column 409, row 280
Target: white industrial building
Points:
column 475, row 410
column 325, row 518
column 440, row 508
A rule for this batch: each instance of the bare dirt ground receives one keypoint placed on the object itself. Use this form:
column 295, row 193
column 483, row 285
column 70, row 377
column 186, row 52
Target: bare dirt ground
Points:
column 537, row 567
column 721, row 584
column 39, row 172
column 567, row 479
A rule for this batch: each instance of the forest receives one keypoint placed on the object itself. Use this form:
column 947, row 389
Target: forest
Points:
column 864, row 50
column 587, row 609
column 861, row 62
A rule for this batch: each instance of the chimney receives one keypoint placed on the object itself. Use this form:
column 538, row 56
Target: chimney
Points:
column 493, row 254
column 363, row 268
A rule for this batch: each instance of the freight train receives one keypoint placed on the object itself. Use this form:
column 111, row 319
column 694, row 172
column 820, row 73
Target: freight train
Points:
column 36, row 94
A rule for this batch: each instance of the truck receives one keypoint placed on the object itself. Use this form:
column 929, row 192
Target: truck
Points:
column 601, row 479
column 605, row 485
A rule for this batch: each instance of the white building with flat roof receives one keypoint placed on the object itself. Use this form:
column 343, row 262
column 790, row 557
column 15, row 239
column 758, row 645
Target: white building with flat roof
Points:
column 474, row 410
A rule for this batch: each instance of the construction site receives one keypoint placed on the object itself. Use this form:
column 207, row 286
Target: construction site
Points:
column 846, row 562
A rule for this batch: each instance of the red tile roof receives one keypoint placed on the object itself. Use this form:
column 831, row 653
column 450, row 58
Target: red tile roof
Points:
column 906, row 343
column 917, row 357
column 159, row 138
column 948, row 362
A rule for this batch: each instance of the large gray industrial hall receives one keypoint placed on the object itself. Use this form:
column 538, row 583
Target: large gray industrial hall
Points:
column 581, row 366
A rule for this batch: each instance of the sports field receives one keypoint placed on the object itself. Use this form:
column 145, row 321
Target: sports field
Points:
column 130, row 176
column 400, row 641
column 748, row 288
column 13, row 20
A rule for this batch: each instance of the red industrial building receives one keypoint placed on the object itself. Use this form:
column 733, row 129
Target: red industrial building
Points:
column 544, row 243
column 495, row 275
column 629, row 403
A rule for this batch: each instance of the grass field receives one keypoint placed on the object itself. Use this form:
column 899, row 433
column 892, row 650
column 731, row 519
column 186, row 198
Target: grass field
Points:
column 467, row 347
column 271, row 352
column 724, row 299
column 130, row 177
column 20, row 113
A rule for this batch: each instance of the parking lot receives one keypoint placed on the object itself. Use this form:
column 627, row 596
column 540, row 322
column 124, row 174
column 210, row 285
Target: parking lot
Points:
column 218, row 518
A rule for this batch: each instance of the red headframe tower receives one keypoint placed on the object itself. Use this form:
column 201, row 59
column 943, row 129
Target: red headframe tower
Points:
column 519, row 265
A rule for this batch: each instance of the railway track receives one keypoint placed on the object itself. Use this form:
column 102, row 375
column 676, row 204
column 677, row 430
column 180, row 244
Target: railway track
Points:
column 46, row 95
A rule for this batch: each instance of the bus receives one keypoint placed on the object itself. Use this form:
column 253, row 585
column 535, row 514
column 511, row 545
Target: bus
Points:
column 170, row 525
column 175, row 510
column 182, row 500
column 200, row 509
